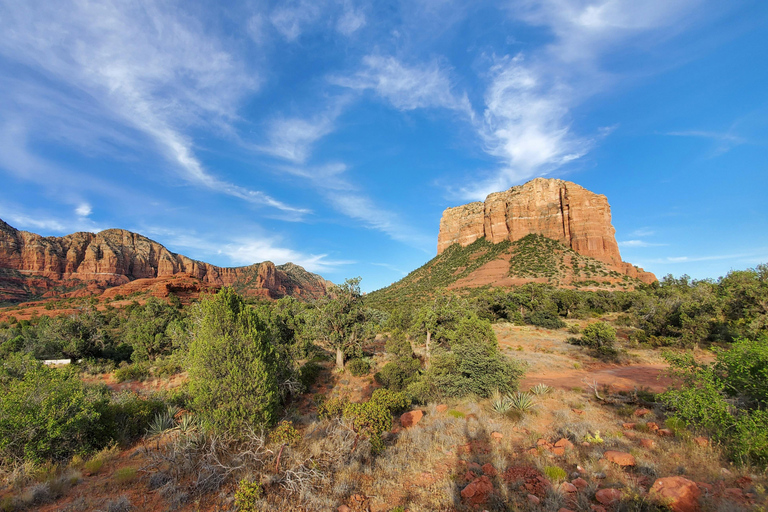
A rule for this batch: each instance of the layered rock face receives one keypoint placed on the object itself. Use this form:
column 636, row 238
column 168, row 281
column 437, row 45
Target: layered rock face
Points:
column 115, row 257
column 557, row 209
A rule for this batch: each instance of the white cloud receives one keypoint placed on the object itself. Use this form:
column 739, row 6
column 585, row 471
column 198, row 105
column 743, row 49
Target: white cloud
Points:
column 293, row 138
column 156, row 71
column 350, row 21
column 530, row 98
column 291, row 20
column 643, row 232
column 638, row 243
column 83, row 210
column 406, row 87
column 724, row 141
column 248, row 251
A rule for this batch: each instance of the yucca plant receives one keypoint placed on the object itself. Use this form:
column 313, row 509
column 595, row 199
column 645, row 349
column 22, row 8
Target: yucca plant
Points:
column 500, row 403
column 541, row 389
column 188, row 423
column 163, row 421
column 521, row 401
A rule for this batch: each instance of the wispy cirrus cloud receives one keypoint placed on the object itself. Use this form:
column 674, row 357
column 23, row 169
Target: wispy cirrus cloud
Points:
column 155, row 70
column 638, row 243
column 531, row 95
column 724, row 141
column 406, row 87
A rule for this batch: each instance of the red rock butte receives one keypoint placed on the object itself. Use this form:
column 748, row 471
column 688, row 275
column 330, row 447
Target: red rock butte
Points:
column 557, row 209
column 116, row 257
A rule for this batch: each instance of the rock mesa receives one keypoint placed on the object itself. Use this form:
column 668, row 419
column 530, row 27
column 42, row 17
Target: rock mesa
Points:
column 30, row 264
column 556, row 209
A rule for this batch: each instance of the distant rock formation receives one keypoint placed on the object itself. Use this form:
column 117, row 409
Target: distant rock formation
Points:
column 556, row 209
column 32, row 264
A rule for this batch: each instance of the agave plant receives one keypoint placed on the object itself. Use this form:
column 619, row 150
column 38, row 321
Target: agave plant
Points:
column 500, row 403
column 163, row 421
column 188, row 423
column 521, row 401
column 541, row 389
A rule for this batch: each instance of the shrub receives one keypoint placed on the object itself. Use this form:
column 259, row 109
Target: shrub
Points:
column 308, row 374
column 233, row 365
column 285, row 433
column 331, row 407
column 473, row 365
column 398, row 345
column 358, row 367
column 598, row 335
column 125, row 475
column 136, row 371
column 46, row 413
column 247, row 495
column 555, row 473
column 545, row 319
column 370, row 419
column 392, row 400
column 398, row 374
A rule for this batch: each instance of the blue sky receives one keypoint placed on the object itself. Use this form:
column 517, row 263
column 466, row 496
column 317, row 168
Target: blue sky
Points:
column 334, row 133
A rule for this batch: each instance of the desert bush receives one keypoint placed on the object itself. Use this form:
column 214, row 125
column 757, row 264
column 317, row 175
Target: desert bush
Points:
column 135, row 371
column 358, row 367
column 285, row 433
column 47, row 413
column 125, row 475
column 394, row 401
column 233, row 365
column 598, row 335
column 722, row 400
column 473, row 365
column 398, row 374
column 398, row 345
column 370, row 419
column 545, row 319
column 247, row 495
column 331, row 407
column 127, row 417
column 308, row 373
column 555, row 473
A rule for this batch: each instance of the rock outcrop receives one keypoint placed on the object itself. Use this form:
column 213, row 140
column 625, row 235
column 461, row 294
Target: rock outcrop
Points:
column 556, row 209
column 30, row 263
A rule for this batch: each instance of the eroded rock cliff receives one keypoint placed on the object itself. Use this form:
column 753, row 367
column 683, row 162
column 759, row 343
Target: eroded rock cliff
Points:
column 556, row 209
column 117, row 257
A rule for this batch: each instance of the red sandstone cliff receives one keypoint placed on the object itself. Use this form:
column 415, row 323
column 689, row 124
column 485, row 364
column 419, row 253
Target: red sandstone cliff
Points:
column 116, row 257
column 557, row 209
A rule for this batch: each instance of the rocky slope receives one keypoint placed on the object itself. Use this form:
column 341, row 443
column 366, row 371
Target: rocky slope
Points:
column 86, row 263
column 557, row 209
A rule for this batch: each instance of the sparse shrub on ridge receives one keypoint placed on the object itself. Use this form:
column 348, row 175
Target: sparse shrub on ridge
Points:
column 358, row 367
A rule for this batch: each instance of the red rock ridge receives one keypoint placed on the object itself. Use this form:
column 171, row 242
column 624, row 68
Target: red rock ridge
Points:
column 557, row 209
column 116, row 257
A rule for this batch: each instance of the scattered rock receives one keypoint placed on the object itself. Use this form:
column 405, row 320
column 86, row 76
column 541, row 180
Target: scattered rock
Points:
column 478, row 490
column 441, row 408
column 642, row 412
column 563, row 509
column 653, row 427
column 580, row 483
column 474, row 466
column 664, row 432
column 701, row 441
column 498, row 436
column 489, row 470
column 647, row 443
column 629, row 426
column 533, row 499
column 578, row 411
column 680, row 494
column 630, row 435
column 344, row 508
column 542, row 442
column 608, row 496
column 568, row 487
column 599, row 475
column 621, row 458
column 564, row 443
column 598, row 508
column 558, row 451
column 411, row 418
